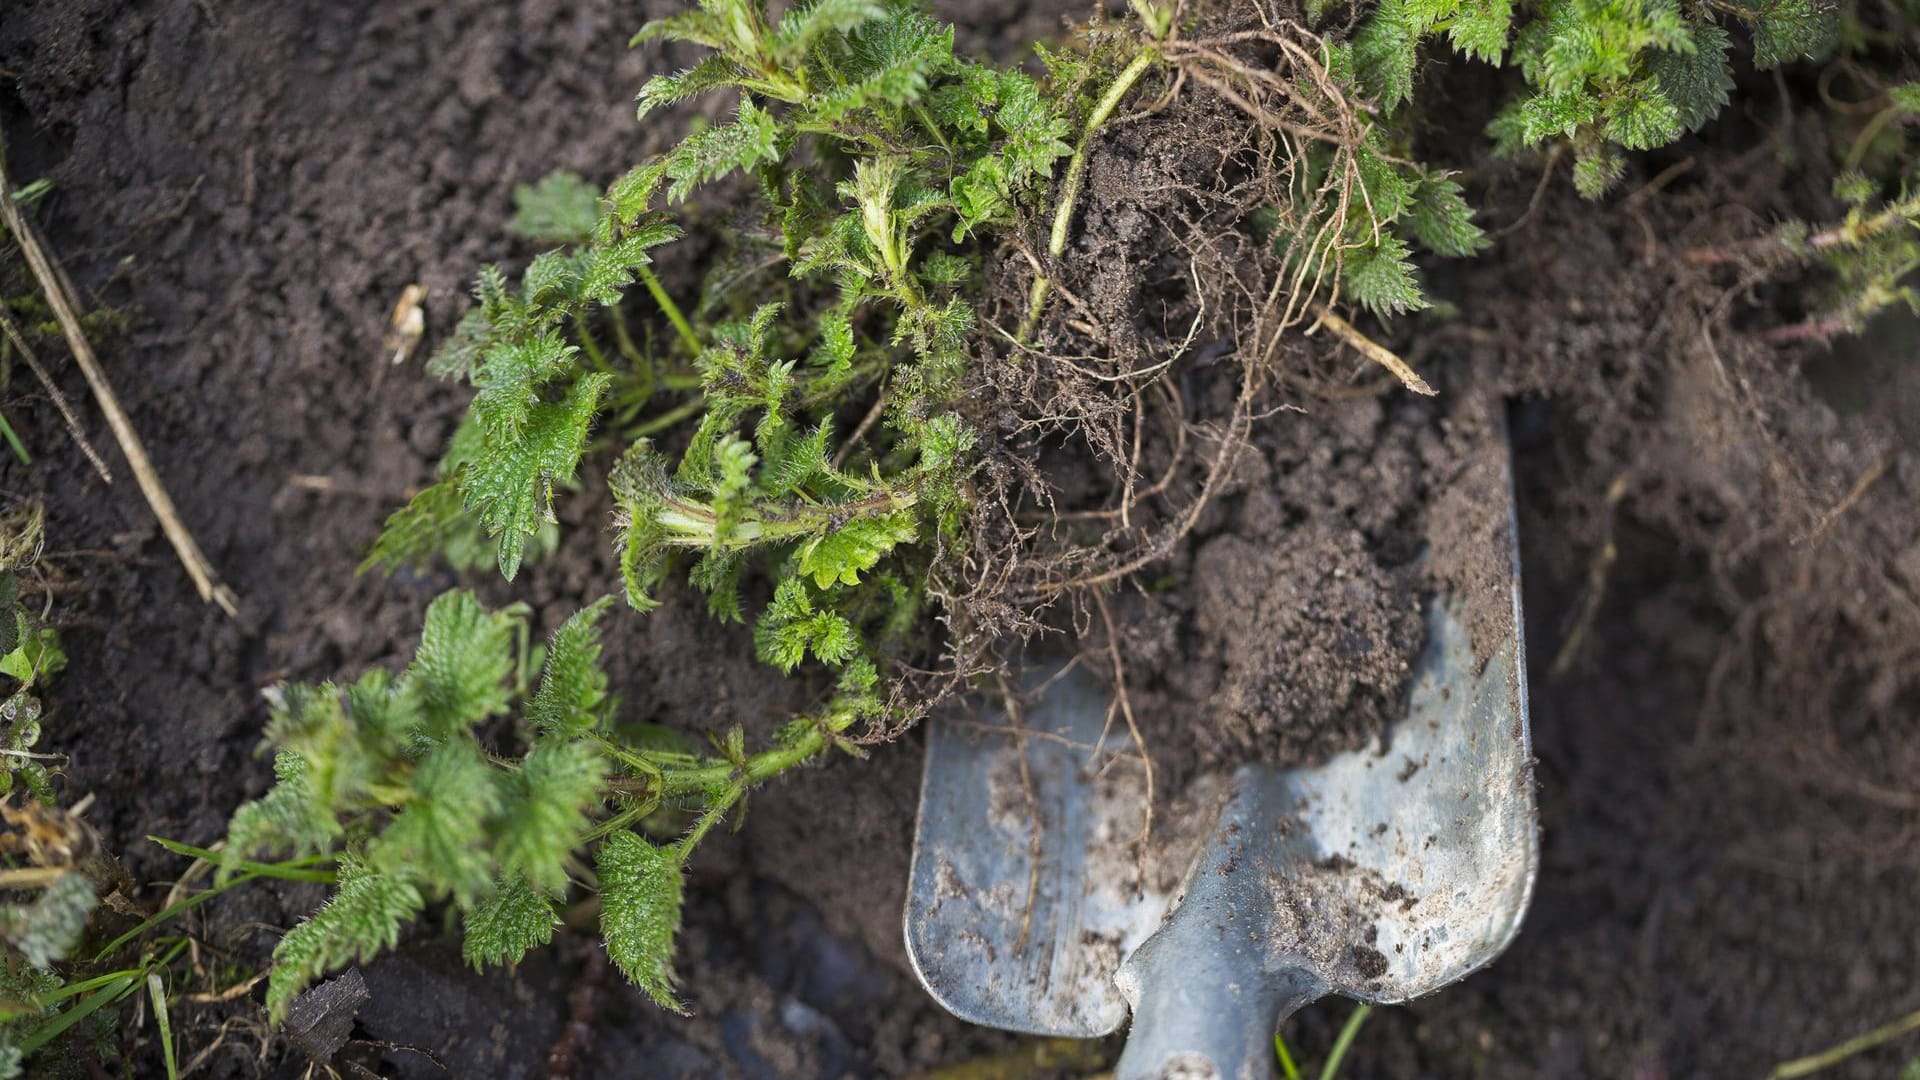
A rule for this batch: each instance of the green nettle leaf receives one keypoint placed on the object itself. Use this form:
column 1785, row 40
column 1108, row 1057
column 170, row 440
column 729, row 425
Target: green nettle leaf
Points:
column 459, row 674
column 1597, row 169
column 560, row 209
column 420, row 531
column 1379, row 276
column 706, row 156
column 545, row 817
column 1785, row 30
column 1905, row 97
column 806, row 24
column 640, row 890
column 573, row 689
column 440, row 836
column 1548, row 115
column 1441, row 220
column 841, row 555
column 713, row 73
column 1385, row 52
column 1696, row 80
column 507, row 925
column 798, row 622
column 1640, row 117
column 47, row 929
column 1480, row 29
column 362, row 918
column 291, row 818
column 510, row 488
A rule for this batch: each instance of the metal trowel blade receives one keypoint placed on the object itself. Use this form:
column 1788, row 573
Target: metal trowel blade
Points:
column 1385, row 873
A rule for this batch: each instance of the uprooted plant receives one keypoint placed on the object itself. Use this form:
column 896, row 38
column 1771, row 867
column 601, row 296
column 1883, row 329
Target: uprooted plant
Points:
column 856, row 418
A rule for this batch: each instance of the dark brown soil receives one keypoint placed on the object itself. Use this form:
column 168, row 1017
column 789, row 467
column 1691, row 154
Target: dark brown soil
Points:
column 1726, row 761
column 1290, row 517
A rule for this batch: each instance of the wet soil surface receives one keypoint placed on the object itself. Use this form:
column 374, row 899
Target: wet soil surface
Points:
column 1725, row 760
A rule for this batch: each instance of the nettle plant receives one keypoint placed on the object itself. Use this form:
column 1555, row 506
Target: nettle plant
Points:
column 878, row 160
column 1602, row 76
column 797, row 433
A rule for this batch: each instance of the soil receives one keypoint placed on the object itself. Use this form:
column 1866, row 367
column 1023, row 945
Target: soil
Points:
column 1726, row 753
column 1292, row 522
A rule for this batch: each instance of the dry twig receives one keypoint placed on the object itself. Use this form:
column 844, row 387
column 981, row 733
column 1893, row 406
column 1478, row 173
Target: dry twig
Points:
column 60, row 298
column 59, row 399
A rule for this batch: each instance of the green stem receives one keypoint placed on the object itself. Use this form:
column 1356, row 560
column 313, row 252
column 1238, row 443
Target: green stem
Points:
column 1826, row 1059
column 665, row 420
column 758, row 768
column 1076, row 173
column 926, row 121
column 292, row 870
column 106, row 989
column 1344, row 1041
column 679, row 321
column 1287, row 1067
column 712, row 816
column 642, row 378
column 589, row 344
column 623, row 338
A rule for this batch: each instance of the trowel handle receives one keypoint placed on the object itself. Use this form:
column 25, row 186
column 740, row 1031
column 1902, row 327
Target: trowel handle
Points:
column 1204, row 1021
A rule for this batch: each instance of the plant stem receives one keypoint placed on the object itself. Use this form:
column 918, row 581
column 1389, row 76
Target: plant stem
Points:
column 1344, row 1041
column 589, row 343
column 679, row 321
column 665, row 420
column 1076, row 172
column 293, row 870
column 1287, row 1067
column 760, row 767
column 1834, row 1055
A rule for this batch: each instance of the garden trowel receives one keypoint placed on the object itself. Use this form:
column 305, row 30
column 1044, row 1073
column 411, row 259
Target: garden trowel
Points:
column 1382, row 874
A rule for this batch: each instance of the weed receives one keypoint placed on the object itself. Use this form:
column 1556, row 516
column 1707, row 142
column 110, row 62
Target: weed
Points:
column 1336, row 1055
column 806, row 439
column 1601, row 76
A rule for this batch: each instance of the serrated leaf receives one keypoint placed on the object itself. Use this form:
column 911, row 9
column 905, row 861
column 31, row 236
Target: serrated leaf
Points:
column 1597, row 169
column 1441, row 220
column 516, row 919
column 711, row 73
column 440, row 834
column 1384, row 54
column 545, row 818
column 1480, row 28
column 1379, row 276
column 841, row 555
column 1640, row 117
column 363, row 917
column 1786, row 30
column 560, row 208
column 805, row 24
column 573, row 688
column 640, row 892
column 291, row 818
column 510, row 486
column 706, row 156
column 1696, row 81
column 459, row 673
